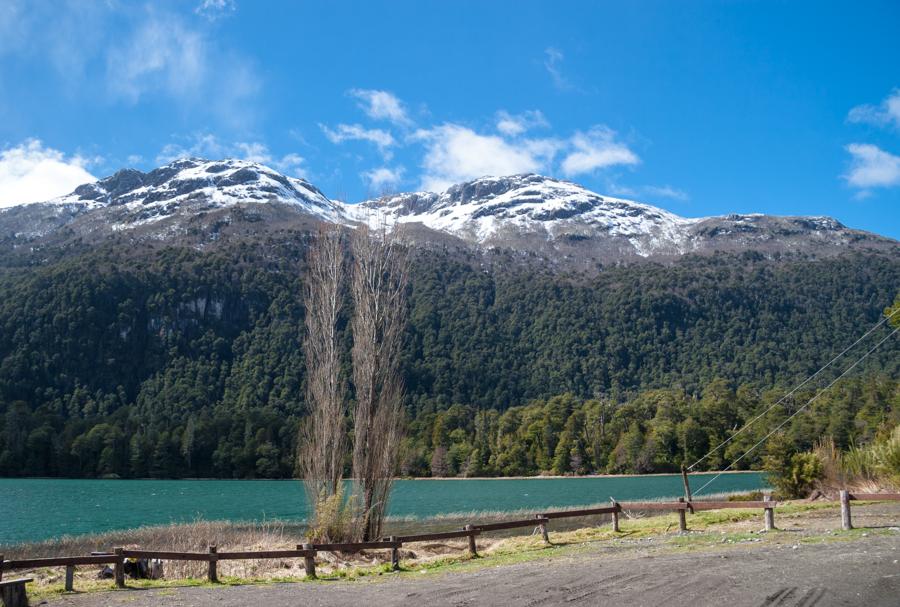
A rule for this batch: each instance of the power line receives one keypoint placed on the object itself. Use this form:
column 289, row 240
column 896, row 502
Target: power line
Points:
column 797, row 387
column 794, row 414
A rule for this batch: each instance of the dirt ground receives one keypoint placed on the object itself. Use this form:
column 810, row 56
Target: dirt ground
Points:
column 803, row 565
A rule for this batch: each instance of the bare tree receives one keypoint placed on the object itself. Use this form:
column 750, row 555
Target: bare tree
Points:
column 323, row 436
column 378, row 288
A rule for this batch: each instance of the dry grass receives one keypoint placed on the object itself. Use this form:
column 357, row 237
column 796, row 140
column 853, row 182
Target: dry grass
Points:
column 277, row 535
column 198, row 536
column 415, row 557
column 192, row 537
column 869, row 469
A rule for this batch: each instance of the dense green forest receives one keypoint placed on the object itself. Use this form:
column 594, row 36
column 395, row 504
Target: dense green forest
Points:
column 183, row 363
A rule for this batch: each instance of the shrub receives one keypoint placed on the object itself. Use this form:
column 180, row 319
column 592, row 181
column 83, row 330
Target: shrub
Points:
column 333, row 520
column 793, row 476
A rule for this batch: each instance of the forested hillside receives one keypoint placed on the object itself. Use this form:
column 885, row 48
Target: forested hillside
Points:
column 176, row 362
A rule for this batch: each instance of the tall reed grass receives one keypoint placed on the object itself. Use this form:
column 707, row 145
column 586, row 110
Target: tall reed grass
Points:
column 870, row 468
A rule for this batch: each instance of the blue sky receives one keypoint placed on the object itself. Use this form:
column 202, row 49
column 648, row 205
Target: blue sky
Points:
column 699, row 107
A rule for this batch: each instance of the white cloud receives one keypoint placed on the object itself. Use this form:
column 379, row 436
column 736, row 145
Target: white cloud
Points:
column 253, row 152
column 872, row 167
column 162, row 55
column 553, row 58
column 381, row 105
column 11, row 25
column 665, row 191
column 383, row 178
column 885, row 114
column 202, row 145
column 291, row 164
column 345, row 132
column 216, row 9
column 513, row 126
column 31, row 172
column 596, row 149
column 455, row 153
column 646, row 191
column 206, row 145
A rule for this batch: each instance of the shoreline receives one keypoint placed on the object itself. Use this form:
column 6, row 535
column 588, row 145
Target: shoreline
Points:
column 399, row 478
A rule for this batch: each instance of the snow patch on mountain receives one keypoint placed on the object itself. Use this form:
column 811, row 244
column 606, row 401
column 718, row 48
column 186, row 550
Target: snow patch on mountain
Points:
column 202, row 200
column 491, row 207
column 201, row 185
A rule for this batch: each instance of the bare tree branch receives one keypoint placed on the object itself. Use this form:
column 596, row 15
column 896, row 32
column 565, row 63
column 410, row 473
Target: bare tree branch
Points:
column 324, row 436
column 380, row 274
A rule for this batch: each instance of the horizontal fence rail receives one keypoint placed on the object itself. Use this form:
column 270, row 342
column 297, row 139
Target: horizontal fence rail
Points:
column 727, row 505
column 531, row 522
column 876, row 497
column 664, row 506
column 265, row 554
column 308, row 552
column 583, row 512
column 166, row 555
column 442, row 535
column 357, row 546
column 58, row 561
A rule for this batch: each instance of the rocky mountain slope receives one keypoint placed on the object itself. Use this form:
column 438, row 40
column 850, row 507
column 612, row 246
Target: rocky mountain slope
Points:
column 535, row 212
column 201, row 200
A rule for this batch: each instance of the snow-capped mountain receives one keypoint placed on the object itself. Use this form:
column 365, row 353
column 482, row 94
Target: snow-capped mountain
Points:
column 493, row 210
column 539, row 213
column 188, row 196
column 200, row 201
column 200, row 184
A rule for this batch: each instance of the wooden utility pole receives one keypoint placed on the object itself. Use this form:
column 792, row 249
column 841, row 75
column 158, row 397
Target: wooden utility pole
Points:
column 687, row 485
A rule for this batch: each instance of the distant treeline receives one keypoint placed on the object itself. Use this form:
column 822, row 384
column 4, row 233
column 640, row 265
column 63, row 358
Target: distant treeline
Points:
column 656, row 431
column 184, row 363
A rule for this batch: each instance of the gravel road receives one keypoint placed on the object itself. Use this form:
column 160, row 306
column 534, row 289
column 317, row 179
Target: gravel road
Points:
column 859, row 572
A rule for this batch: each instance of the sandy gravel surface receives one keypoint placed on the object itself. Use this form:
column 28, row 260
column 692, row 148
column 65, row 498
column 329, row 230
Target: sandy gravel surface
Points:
column 862, row 571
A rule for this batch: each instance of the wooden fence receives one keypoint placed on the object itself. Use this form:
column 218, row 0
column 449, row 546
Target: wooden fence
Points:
column 846, row 497
column 307, row 552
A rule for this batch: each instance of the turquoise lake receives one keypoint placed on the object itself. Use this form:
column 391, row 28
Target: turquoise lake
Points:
column 39, row 509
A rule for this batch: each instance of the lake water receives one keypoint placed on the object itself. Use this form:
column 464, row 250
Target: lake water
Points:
column 38, row 509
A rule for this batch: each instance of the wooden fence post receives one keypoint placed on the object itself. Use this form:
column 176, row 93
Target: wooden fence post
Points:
column 769, row 514
column 213, row 573
column 70, row 578
column 309, row 562
column 1, row 567
column 119, row 568
column 682, row 517
column 395, row 554
column 615, row 516
column 473, row 550
column 543, row 527
column 846, row 523
column 14, row 594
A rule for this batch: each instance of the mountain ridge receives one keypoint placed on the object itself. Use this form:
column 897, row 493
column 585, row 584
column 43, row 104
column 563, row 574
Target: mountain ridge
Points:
column 204, row 199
